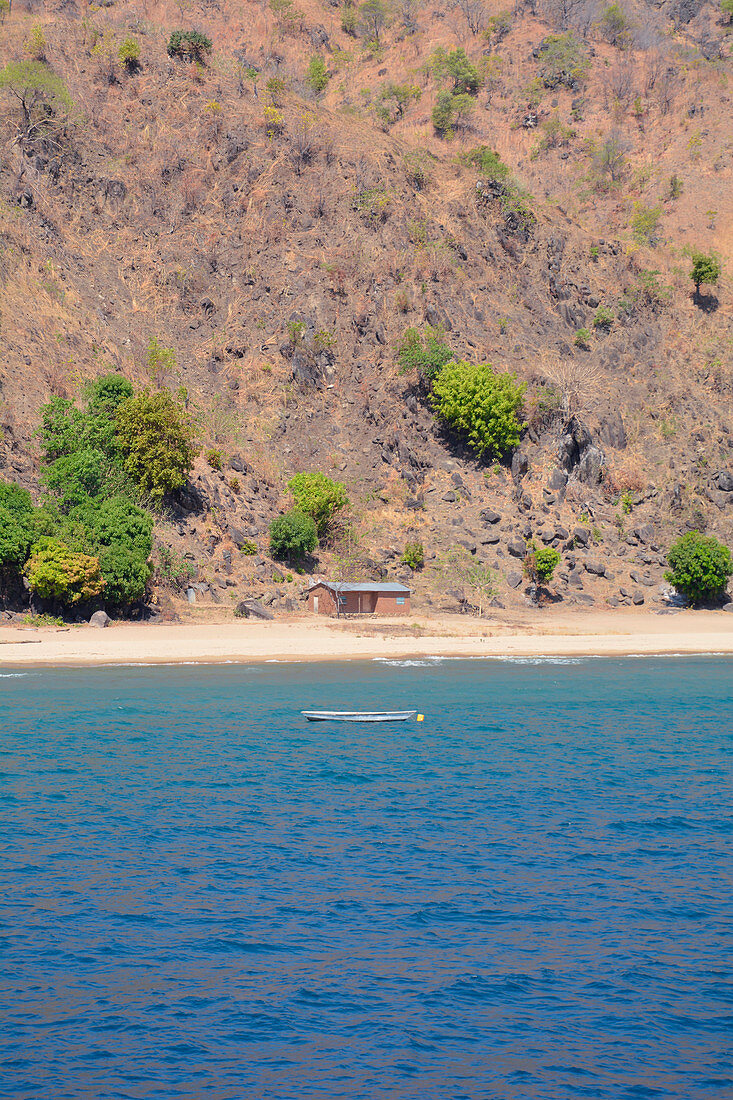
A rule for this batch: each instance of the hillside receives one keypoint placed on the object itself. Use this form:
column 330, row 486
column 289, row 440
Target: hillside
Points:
column 281, row 240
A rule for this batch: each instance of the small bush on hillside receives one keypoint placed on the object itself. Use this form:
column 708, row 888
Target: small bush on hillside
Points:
column 413, row 555
column 443, row 114
column 349, row 21
column 487, row 162
column 213, row 457
column 604, row 318
column 35, row 44
column 318, row 496
column 424, row 352
column 189, row 45
column 700, row 567
column 645, row 227
column 393, row 100
column 481, row 406
column 614, row 26
column 156, row 440
column 55, row 572
column 582, row 338
column 563, row 60
column 374, row 18
column 292, row 536
column 455, row 64
column 418, row 170
column 161, row 362
column 540, row 565
column 317, row 75
column 129, row 54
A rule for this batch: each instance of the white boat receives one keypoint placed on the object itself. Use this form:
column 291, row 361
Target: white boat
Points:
column 360, row 715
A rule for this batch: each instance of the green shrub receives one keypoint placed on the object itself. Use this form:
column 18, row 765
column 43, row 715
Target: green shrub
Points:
column 582, row 338
column 213, row 457
column 604, row 318
column 614, row 26
column 393, row 99
column 705, row 269
column 443, row 114
column 292, row 536
column 424, row 352
column 106, row 393
column 40, row 95
column 249, row 547
column 173, row 568
column 349, row 21
column 464, row 74
column 418, row 169
column 56, row 572
column 488, row 162
column 76, row 477
column 413, row 555
column 563, row 61
column 540, row 565
column 16, row 525
column 318, row 496
column 161, row 361
column 676, row 186
column 317, row 75
column 645, row 223
column 129, row 54
column 189, row 45
column 35, row 44
column 156, row 440
column 480, row 406
column 700, row 567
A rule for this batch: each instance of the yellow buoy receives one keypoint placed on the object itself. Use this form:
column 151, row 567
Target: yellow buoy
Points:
column 420, row 717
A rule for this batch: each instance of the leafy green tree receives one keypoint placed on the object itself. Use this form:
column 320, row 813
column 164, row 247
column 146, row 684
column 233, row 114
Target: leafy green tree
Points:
column 705, row 269
column 317, row 75
column 125, row 574
column 106, row 393
column 118, row 521
column 16, row 526
column 563, row 61
column 318, row 496
column 614, row 25
column 645, row 223
column 726, row 9
column 76, row 477
column 41, row 95
column 424, row 352
column 292, row 536
column 465, row 75
column 63, row 429
column 55, row 572
column 413, row 555
column 488, row 162
column 481, row 406
column 156, row 441
column 700, row 567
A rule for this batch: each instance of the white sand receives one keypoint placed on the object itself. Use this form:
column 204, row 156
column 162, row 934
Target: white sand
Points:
column 527, row 634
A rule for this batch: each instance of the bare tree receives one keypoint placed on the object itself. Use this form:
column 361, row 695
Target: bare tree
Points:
column 576, row 379
column 474, row 13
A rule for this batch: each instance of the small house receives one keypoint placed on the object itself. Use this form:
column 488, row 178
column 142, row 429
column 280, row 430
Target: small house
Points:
column 341, row 598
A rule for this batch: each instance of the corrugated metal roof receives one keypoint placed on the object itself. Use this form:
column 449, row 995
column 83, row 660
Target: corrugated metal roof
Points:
column 341, row 586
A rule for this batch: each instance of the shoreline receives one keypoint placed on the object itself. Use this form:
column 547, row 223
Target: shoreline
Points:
column 305, row 639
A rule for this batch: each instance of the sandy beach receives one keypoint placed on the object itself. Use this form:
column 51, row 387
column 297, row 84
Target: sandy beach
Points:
column 529, row 634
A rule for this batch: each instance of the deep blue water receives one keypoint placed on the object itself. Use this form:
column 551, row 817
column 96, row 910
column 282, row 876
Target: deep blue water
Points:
column 528, row 895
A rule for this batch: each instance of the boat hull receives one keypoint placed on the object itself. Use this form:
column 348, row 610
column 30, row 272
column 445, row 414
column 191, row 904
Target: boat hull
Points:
column 358, row 716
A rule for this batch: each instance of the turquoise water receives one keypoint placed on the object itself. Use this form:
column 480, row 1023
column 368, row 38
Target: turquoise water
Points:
column 527, row 895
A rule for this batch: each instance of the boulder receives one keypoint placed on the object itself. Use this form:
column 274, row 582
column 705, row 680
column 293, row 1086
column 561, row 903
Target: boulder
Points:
column 100, row 619
column 520, row 465
column 612, row 432
column 514, row 579
column 557, row 480
column 725, row 481
column 257, row 610
column 597, row 568
column 579, row 455
column 489, row 516
column 517, row 548
column 581, row 536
